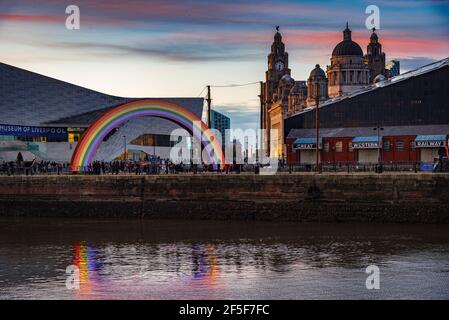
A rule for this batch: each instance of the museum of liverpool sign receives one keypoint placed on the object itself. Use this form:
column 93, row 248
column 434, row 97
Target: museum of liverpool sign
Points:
column 31, row 132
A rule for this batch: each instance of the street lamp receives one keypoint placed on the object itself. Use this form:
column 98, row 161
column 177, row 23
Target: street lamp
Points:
column 154, row 146
column 378, row 129
column 124, row 149
column 317, row 125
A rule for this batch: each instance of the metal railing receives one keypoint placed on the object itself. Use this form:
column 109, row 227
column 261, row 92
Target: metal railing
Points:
column 406, row 166
column 27, row 168
column 52, row 168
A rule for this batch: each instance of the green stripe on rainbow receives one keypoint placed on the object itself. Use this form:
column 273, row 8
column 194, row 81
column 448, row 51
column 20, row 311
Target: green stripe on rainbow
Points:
column 94, row 135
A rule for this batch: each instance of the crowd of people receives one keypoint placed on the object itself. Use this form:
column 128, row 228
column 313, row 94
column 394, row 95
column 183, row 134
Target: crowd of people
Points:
column 33, row 167
column 155, row 165
column 150, row 165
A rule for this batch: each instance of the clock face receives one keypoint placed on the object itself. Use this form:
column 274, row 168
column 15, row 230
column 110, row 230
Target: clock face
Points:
column 279, row 66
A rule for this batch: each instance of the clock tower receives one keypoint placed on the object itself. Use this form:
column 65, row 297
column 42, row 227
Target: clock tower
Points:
column 277, row 66
column 277, row 84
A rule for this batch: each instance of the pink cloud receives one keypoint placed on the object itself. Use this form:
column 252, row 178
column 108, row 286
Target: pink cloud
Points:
column 320, row 42
column 56, row 19
column 31, row 18
column 394, row 44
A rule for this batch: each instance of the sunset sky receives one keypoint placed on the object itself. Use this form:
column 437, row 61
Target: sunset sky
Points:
column 158, row 48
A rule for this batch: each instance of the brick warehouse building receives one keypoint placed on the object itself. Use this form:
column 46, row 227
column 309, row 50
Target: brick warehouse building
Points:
column 411, row 109
column 398, row 144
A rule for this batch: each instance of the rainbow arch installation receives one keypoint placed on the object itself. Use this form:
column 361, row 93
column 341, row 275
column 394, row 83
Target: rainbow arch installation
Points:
column 94, row 135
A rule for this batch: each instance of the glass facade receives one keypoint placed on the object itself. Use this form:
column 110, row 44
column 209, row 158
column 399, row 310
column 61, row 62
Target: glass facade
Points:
column 154, row 140
column 220, row 122
column 392, row 105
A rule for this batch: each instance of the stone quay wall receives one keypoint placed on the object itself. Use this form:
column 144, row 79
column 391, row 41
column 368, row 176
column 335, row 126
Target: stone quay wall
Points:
column 327, row 197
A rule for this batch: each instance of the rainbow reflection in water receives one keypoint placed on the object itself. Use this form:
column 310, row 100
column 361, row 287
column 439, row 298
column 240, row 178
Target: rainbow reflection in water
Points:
column 88, row 265
column 205, row 266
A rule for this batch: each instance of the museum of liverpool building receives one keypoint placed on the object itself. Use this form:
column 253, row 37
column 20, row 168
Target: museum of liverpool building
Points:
column 403, row 119
column 43, row 118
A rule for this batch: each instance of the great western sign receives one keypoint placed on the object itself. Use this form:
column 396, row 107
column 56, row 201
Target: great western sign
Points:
column 29, row 131
column 365, row 145
column 306, row 146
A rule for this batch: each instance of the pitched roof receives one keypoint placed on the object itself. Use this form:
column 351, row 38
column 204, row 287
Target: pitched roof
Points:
column 193, row 104
column 391, row 81
column 352, row 132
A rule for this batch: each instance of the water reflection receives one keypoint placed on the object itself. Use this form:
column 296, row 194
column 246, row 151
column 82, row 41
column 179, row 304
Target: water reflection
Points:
column 95, row 272
column 205, row 267
column 196, row 260
column 89, row 265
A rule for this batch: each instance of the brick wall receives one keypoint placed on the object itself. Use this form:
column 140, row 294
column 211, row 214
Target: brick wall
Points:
column 295, row 197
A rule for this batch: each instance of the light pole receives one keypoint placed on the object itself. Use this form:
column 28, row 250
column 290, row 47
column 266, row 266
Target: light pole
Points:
column 209, row 102
column 262, row 121
column 124, row 149
column 317, row 126
column 378, row 129
column 154, row 146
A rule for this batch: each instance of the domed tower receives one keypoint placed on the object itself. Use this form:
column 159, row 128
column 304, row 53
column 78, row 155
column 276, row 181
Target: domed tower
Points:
column 297, row 98
column 375, row 58
column 317, row 84
column 285, row 85
column 348, row 71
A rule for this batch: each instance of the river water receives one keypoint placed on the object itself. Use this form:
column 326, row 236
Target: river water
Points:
column 123, row 259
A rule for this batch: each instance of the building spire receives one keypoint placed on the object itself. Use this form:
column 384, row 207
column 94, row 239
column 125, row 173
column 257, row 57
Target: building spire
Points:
column 374, row 37
column 347, row 32
column 277, row 35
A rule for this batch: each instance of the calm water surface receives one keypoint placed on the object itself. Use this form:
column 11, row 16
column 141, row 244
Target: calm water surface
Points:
column 120, row 259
